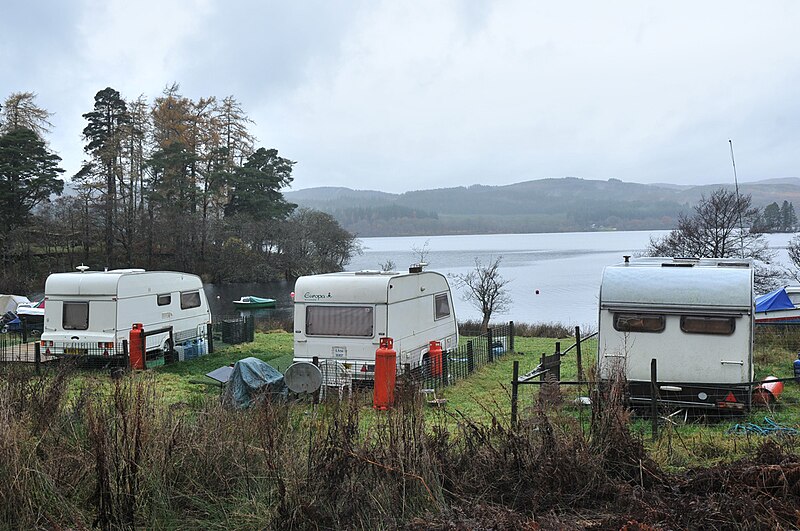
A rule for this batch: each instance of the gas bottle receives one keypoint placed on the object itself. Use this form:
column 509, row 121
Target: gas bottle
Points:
column 385, row 374
column 136, row 346
column 435, row 354
column 797, row 368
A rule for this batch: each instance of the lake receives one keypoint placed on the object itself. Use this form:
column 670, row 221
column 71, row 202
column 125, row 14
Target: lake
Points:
column 552, row 277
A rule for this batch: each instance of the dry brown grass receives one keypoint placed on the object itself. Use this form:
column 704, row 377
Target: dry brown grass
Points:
column 118, row 458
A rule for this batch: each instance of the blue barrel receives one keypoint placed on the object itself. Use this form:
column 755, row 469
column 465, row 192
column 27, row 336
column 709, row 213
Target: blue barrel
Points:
column 190, row 349
column 797, row 368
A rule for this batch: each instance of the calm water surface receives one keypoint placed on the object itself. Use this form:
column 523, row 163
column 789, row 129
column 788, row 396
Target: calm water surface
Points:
column 565, row 268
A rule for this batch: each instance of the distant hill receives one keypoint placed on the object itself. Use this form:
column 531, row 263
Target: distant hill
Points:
column 326, row 194
column 544, row 205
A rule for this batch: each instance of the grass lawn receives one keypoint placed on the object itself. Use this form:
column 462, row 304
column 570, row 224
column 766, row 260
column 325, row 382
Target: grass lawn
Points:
column 187, row 381
column 484, row 394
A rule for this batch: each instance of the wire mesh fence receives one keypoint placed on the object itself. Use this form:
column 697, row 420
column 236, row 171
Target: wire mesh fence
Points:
column 436, row 369
column 14, row 348
column 158, row 347
column 769, row 404
column 233, row 329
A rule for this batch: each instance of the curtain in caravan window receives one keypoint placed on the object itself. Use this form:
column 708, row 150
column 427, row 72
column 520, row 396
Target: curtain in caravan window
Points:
column 698, row 324
column 346, row 321
column 75, row 316
column 442, row 306
column 639, row 322
column 190, row 299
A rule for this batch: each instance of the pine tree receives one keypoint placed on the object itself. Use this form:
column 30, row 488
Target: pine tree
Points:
column 788, row 217
column 28, row 176
column 104, row 134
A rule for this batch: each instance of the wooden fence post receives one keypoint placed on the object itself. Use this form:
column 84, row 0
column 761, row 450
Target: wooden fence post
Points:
column 578, row 352
column 470, row 358
column 558, row 359
column 37, row 357
column 514, row 395
column 489, row 349
column 315, row 394
column 511, row 336
column 654, row 396
column 210, row 337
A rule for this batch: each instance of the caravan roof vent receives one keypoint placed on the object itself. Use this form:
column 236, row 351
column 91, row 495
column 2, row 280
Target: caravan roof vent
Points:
column 416, row 268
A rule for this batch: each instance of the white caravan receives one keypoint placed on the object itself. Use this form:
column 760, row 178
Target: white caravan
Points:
column 694, row 316
column 91, row 311
column 341, row 317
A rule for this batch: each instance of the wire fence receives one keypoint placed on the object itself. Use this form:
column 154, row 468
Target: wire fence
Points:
column 434, row 371
column 159, row 347
column 769, row 404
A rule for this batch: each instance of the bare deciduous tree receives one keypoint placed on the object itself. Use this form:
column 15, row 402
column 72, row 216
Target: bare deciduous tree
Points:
column 485, row 289
column 422, row 252
column 718, row 228
column 793, row 248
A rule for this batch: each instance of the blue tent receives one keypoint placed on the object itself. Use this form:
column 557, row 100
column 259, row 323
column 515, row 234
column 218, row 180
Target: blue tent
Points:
column 774, row 300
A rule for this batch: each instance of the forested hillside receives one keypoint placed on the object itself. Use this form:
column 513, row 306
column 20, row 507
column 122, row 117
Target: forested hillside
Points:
column 546, row 205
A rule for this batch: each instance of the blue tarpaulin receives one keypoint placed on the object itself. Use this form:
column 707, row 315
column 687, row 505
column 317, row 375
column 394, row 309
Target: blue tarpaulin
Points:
column 774, row 300
column 253, row 380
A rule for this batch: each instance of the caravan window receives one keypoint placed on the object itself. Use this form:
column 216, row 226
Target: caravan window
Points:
column 75, row 316
column 164, row 300
column 638, row 322
column 343, row 321
column 190, row 299
column 442, row 304
column 697, row 324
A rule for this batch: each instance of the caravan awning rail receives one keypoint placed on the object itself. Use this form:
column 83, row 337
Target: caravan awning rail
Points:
column 720, row 311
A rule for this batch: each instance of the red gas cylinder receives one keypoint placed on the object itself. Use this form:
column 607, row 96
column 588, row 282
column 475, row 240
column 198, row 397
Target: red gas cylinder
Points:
column 385, row 374
column 768, row 391
column 435, row 355
column 136, row 346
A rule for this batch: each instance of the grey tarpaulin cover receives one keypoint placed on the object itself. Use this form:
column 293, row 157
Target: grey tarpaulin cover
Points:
column 253, row 380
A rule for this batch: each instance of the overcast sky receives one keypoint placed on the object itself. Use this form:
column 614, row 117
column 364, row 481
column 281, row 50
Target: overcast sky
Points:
column 405, row 95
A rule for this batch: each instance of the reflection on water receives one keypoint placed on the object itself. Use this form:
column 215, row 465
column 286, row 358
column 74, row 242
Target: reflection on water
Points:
column 565, row 268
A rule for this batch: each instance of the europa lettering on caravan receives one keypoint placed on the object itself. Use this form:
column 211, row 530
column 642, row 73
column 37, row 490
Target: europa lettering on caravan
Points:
column 316, row 296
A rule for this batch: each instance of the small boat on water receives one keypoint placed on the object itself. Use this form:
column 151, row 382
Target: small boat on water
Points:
column 781, row 306
column 251, row 302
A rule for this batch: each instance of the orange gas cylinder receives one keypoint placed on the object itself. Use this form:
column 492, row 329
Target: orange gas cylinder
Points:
column 767, row 391
column 435, row 355
column 136, row 346
column 385, row 374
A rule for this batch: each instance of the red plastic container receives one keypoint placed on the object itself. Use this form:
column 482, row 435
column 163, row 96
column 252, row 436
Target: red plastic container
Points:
column 385, row 375
column 435, row 355
column 136, row 346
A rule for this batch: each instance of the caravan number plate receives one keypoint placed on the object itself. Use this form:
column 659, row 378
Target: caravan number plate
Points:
column 339, row 352
column 71, row 351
